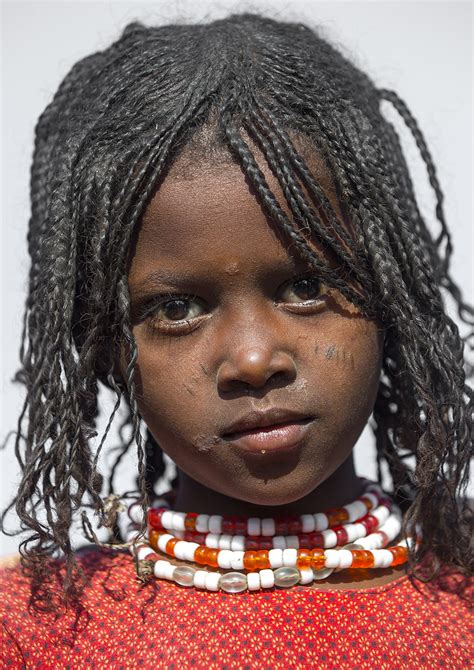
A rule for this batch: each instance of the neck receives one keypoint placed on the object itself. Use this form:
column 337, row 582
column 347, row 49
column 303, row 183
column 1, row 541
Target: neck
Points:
column 341, row 487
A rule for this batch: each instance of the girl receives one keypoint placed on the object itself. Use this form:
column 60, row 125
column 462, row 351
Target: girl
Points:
column 224, row 233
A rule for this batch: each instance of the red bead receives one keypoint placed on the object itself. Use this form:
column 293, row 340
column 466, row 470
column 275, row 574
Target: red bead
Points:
column 228, row 525
column 294, row 526
column 154, row 518
column 304, row 541
column 281, row 526
column 240, row 526
column 316, row 539
column 341, row 534
column 252, row 544
column 370, row 522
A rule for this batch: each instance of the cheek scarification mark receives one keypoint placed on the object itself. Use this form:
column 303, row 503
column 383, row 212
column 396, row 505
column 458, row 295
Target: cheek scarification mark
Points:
column 339, row 355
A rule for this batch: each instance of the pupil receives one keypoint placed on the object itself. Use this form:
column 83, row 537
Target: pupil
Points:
column 308, row 284
column 175, row 309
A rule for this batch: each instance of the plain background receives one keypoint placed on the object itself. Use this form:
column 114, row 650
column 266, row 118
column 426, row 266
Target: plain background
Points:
column 423, row 50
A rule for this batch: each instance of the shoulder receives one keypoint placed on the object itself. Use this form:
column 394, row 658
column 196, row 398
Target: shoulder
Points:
column 9, row 561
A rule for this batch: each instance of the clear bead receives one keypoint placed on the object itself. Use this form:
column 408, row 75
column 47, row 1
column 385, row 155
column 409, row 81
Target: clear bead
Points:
column 286, row 576
column 233, row 582
column 184, row 575
column 323, row 573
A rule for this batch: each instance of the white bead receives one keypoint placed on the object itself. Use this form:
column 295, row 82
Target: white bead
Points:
column 275, row 556
column 352, row 533
column 352, row 512
column 381, row 514
column 308, row 523
column 190, row 550
column 279, row 542
column 131, row 535
column 289, row 557
column 254, row 526
column 215, row 523
column 329, row 538
column 331, row 558
column 382, row 558
column 268, row 527
column 237, row 560
column 238, row 543
column 212, row 581
column 180, row 550
column 163, row 540
column 368, row 542
column 202, row 523
column 169, row 570
column 345, row 558
column 167, row 519
column 267, row 578
column 178, row 520
column 292, row 541
column 224, row 559
column 143, row 552
column 361, row 509
column 225, row 541
column 321, row 522
column 361, row 529
column 253, row 581
column 159, row 569
column 199, row 580
column 306, row 575
column 212, row 540
column 179, row 534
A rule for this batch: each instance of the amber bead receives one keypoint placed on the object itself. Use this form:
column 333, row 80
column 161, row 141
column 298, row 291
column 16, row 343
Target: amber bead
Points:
column 361, row 558
column 367, row 503
column 169, row 549
column 250, row 561
column 153, row 537
column 212, row 557
column 190, row 521
column 400, row 555
column 262, row 561
column 336, row 516
column 200, row 555
column 317, row 558
column 303, row 559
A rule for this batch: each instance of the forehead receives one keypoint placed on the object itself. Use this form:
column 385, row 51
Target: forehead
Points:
column 208, row 215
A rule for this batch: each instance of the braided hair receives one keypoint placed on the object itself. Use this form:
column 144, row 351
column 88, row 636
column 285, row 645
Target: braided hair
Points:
column 117, row 122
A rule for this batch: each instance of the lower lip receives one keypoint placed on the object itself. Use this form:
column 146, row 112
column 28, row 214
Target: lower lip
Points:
column 271, row 440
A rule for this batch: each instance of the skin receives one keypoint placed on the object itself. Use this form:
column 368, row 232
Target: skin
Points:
column 256, row 340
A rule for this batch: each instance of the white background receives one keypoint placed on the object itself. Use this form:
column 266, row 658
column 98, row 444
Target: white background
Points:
column 423, row 50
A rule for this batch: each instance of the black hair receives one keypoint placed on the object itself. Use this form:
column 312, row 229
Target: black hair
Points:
column 117, row 122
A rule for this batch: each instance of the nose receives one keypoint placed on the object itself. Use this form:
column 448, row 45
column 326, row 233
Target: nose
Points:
column 255, row 366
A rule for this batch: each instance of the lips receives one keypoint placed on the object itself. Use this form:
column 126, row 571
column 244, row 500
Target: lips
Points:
column 256, row 420
column 276, row 430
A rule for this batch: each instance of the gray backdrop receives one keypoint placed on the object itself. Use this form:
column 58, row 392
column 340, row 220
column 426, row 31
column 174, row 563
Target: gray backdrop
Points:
column 421, row 49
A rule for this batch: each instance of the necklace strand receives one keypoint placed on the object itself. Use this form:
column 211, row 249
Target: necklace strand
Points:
column 284, row 560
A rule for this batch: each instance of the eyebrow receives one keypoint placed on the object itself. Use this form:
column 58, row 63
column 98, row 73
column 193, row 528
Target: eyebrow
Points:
column 186, row 279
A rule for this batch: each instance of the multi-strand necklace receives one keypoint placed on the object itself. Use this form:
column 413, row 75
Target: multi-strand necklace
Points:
column 264, row 553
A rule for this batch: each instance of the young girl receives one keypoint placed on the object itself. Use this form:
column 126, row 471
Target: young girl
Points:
column 224, row 233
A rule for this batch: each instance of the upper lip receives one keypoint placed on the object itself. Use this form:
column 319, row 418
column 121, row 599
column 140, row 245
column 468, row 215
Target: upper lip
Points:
column 259, row 419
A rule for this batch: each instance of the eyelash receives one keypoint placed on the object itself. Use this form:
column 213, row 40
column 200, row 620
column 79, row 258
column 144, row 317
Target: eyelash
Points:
column 185, row 326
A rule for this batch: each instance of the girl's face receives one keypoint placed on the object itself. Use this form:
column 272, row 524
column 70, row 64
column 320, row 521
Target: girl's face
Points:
column 242, row 330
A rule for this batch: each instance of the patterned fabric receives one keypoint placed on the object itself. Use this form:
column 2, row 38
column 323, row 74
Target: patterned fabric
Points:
column 396, row 625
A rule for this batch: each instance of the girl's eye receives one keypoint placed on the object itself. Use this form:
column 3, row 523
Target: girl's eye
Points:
column 307, row 289
column 175, row 312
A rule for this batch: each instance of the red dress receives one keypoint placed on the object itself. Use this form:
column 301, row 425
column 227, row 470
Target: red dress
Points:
column 389, row 626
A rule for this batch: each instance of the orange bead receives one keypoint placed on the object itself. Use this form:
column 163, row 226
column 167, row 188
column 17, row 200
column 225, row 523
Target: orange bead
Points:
column 212, row 557
column 337, row 516
column 262, row 561
column 153, row 537
column 250, row 560
column 169, row 549
column 362, row 558
column 400, row 555
column 303, row 559
column 367, row 503
column 190, row 521
column 317, row 558
column 200, row 555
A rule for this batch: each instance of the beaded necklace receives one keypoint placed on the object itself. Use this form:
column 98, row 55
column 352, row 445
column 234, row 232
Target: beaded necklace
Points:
column 264, row 553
